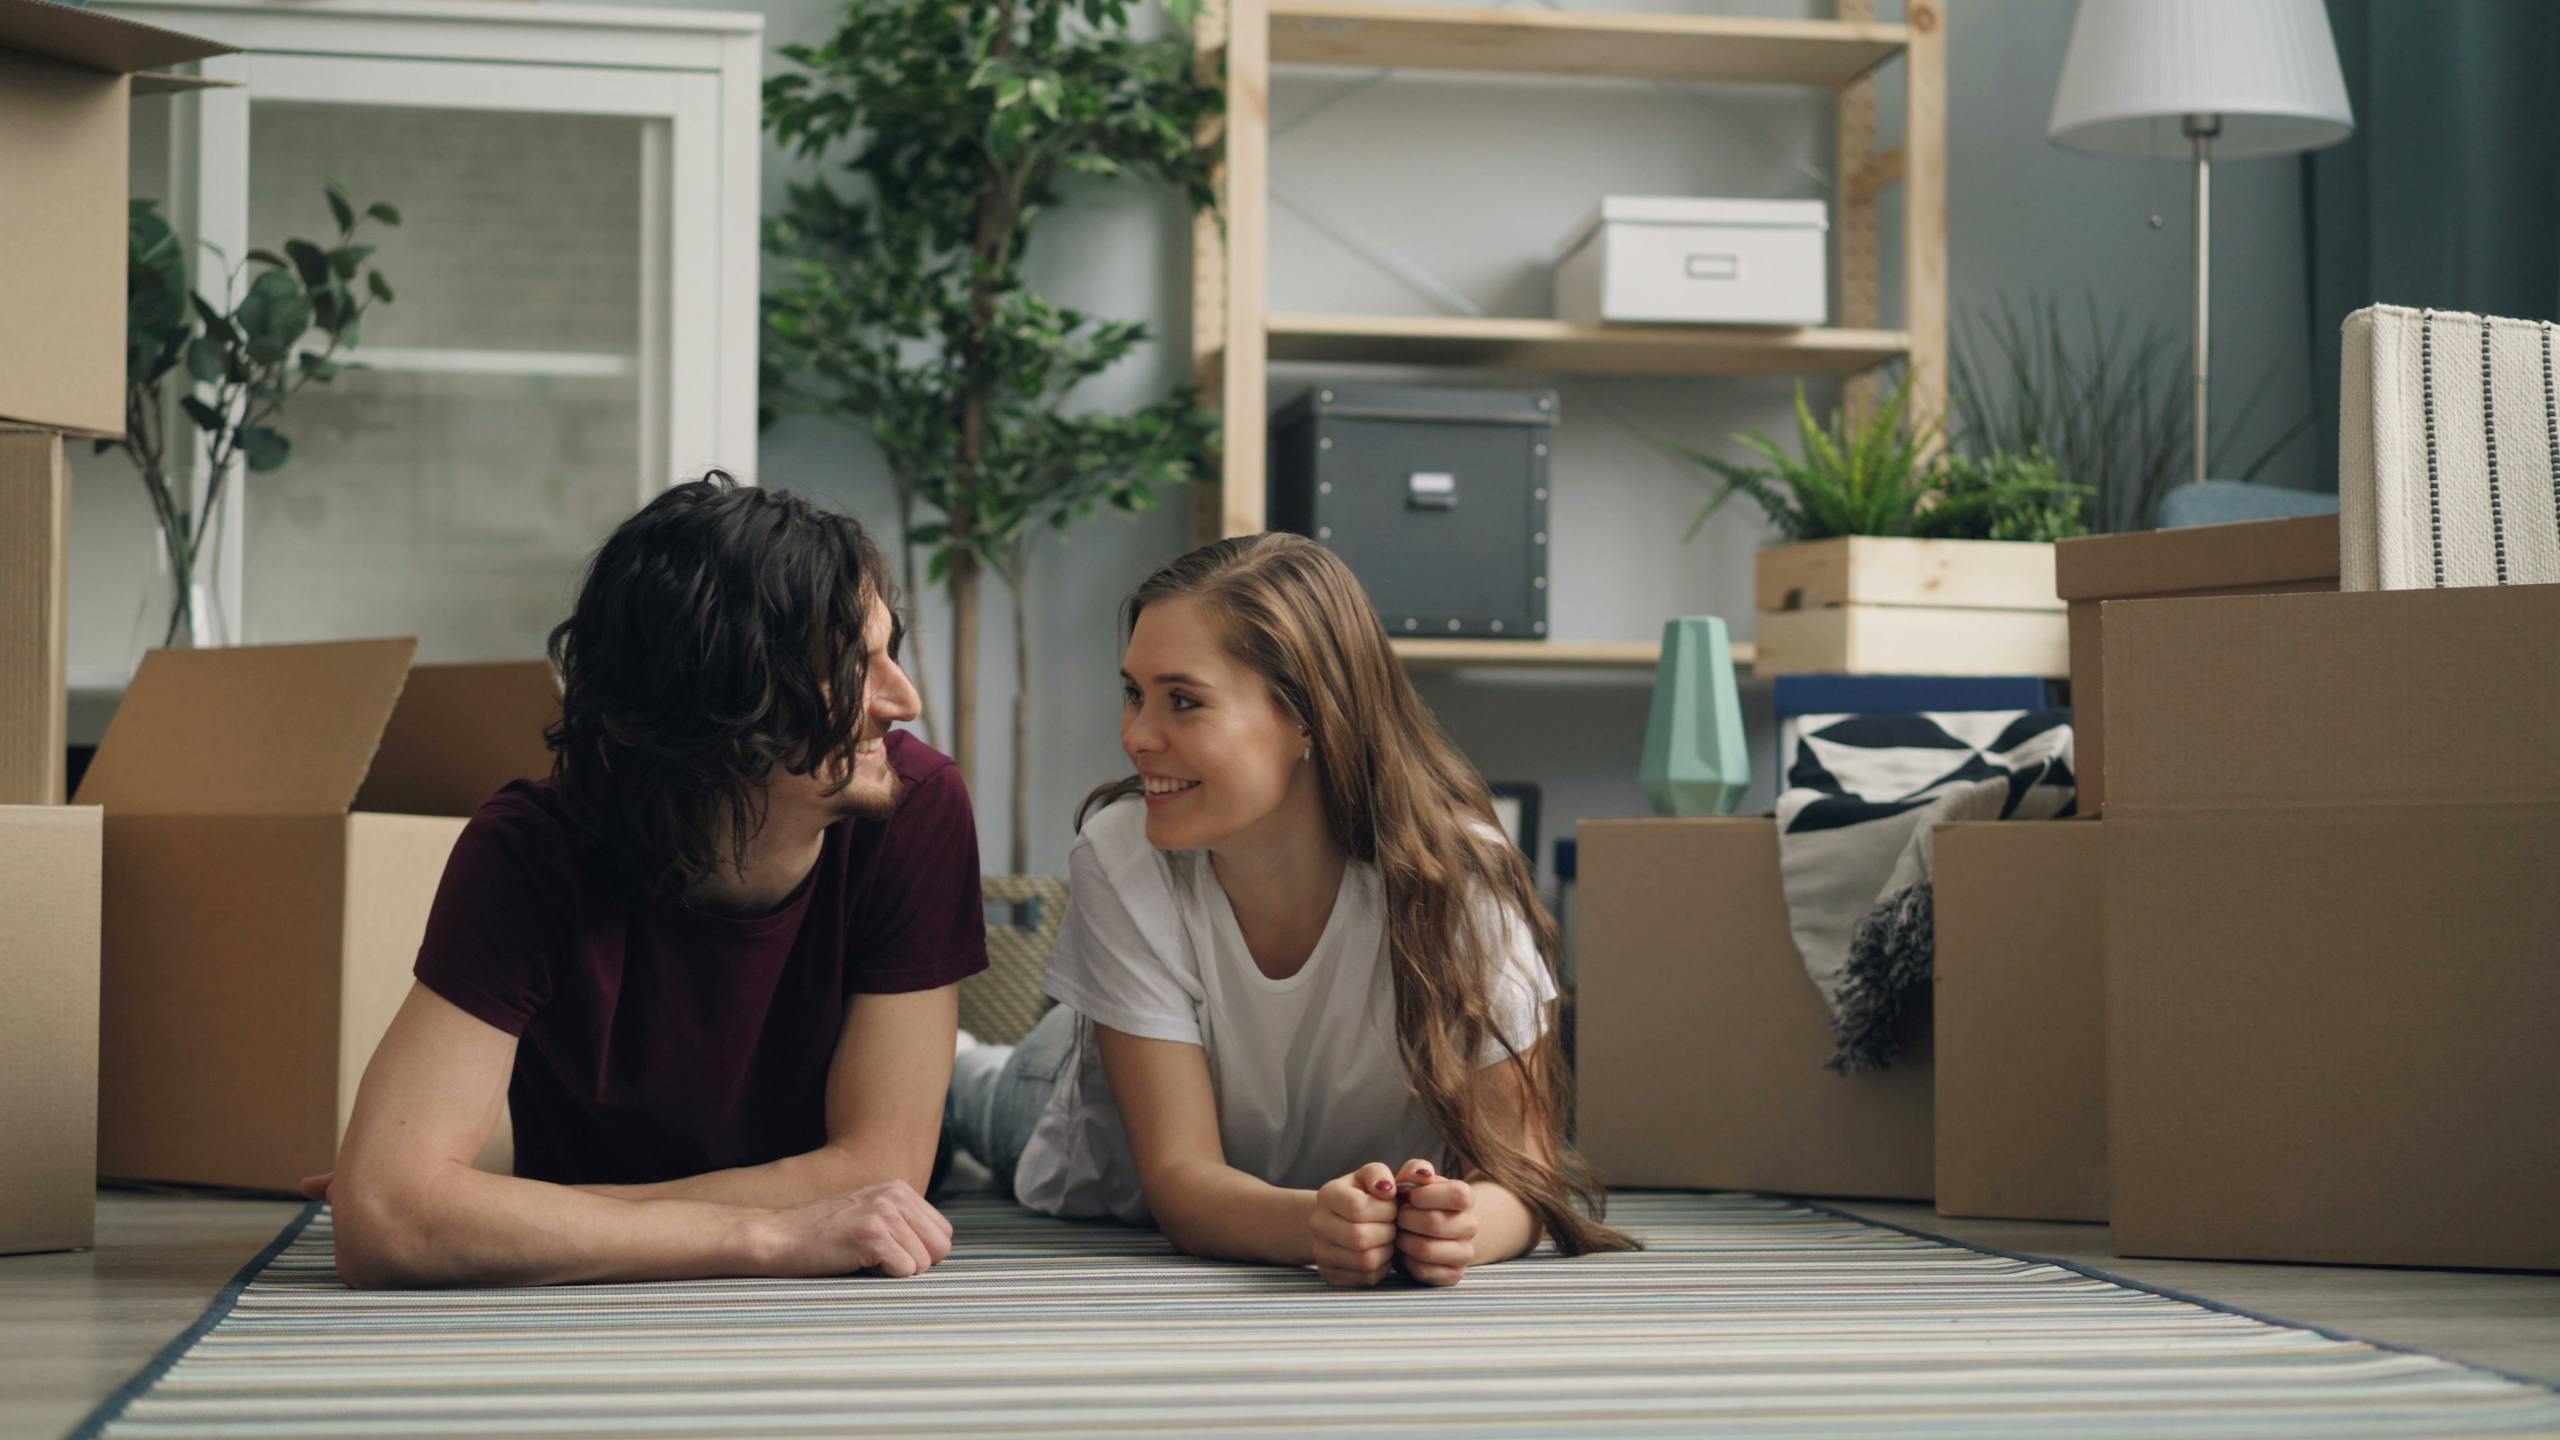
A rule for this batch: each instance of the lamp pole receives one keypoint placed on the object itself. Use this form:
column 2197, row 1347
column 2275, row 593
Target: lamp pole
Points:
column 2201, row 130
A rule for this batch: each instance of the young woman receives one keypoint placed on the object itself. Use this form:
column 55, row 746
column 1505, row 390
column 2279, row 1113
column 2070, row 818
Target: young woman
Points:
column 1306, row 982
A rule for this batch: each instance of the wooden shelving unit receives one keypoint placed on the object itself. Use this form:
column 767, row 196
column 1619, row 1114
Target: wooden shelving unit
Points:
column 1631, row 46
column 1235, row 338
column 1557, row 348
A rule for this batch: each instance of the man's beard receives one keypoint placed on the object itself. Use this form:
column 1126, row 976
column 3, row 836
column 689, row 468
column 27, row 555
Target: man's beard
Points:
column 864, row 802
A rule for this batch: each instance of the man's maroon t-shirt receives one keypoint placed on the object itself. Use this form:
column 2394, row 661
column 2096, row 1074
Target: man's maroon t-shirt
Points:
column 657, row 1041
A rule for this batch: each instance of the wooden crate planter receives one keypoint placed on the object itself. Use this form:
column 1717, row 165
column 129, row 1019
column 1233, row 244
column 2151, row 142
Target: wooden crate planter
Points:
column 1885, row 605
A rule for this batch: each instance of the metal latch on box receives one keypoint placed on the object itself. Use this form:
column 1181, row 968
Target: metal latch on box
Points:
column 1715, row 267
column 1431, row 490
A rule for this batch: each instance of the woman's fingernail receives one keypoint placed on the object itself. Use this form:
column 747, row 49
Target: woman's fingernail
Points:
column 1385, row 1187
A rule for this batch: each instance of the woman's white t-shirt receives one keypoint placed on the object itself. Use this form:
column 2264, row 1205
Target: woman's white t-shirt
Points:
column 1308, row 1079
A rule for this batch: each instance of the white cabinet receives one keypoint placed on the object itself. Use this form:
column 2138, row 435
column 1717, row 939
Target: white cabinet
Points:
column 574, row 328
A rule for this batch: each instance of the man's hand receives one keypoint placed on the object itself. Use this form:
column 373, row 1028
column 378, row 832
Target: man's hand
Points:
column 1435, row 1226
column 1353, row 1225
column 886, row 1227
column 316, row 1187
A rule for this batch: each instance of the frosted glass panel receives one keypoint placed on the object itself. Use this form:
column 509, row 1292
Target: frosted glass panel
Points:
column 518, row 232
column 452, row 490
column 456, row 508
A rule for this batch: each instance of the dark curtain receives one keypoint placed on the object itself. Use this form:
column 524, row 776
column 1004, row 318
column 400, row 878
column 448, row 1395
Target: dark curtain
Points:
column 2448, row 194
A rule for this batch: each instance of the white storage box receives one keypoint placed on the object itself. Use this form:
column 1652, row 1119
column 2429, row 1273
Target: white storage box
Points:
column 1696, row 262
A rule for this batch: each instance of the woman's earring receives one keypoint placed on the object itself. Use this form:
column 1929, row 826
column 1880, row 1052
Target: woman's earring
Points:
column 1307, row 754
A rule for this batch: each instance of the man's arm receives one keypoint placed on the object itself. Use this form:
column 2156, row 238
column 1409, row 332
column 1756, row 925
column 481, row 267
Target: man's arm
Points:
column 411, row 1211
column 884, row 1111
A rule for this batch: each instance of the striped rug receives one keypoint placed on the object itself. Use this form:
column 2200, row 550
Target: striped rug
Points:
column 1747, row 1316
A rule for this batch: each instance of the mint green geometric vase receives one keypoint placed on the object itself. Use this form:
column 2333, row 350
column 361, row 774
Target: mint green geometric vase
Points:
column 1695, row 759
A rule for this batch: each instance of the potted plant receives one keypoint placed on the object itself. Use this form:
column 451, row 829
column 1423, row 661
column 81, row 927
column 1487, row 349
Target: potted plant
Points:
column 904, row 306
column 1897, row 556
column 244, row 360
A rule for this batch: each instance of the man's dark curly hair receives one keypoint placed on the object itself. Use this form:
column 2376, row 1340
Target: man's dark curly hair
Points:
column 717, row 635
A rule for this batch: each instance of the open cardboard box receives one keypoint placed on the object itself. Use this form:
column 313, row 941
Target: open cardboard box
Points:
column 48, row 1027
column 2258, row 557
column 277, row 821
column 2333, row 927
column 2021, row 1020
column 1699, row 1041
column 67, row 81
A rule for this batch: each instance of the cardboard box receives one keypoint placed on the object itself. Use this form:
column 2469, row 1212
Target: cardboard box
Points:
column 2333, row 927
column 1699, row 1040
column 67, row 80
column 277, row 820
column 48, row 1028
column 2260, row 557
column 35, row 638
column 2021, row 1020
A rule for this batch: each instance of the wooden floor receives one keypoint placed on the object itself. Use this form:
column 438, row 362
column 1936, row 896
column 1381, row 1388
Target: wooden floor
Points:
column 74, row 1327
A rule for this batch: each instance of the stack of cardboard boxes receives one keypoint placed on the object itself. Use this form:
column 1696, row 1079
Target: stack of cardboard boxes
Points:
column 68, row 79
column 2286, row 992
column 197, row 958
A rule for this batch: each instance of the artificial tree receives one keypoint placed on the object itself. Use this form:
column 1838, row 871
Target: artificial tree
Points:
column 944, row 128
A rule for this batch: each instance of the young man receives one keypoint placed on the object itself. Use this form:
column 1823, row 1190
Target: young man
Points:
column 710, row 962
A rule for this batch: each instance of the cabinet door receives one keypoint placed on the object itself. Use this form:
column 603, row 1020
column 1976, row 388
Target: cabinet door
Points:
column 543, row 369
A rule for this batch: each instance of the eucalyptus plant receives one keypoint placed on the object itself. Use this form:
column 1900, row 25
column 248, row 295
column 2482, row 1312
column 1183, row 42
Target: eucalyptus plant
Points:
column 944, row 129
column 242, row 361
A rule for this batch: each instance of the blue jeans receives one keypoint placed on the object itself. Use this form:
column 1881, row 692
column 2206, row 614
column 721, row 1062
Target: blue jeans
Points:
column 998, row 1092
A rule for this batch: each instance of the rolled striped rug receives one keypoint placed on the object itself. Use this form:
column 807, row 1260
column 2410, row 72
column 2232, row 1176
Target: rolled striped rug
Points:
column 1745, row 1316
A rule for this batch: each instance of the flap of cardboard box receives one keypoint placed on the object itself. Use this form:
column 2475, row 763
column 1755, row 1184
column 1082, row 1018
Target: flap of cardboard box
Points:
column 460, row 732
column 2202, row 557
column 51, row 31
column 2393, row 697
column 249, row 730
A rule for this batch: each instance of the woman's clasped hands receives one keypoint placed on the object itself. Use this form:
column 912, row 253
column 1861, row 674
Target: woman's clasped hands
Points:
column 1373, row 1221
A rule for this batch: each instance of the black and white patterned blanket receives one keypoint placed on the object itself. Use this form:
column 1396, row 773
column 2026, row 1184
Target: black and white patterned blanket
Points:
column 1854, row 847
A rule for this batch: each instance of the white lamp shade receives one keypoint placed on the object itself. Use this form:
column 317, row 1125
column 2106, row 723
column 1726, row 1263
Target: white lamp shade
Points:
column 2268, row 68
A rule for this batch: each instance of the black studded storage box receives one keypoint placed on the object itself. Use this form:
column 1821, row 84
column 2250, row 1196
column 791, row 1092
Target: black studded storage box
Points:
column 1437, row 499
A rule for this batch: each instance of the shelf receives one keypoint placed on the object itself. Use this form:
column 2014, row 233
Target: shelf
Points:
column 1543, row 654
column 557, row 365
column 1825, row 53
column 1557, row 347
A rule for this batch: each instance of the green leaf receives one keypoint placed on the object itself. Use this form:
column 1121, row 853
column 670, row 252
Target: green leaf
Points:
column 208, row 419
column 384, row 213
column 268, row 257
column 380, row 287
column 216, row 324
column 309, row 261
column 265, row 449
column 206, row 360
column 343, row 261
column 273, row 315
column 344, row 213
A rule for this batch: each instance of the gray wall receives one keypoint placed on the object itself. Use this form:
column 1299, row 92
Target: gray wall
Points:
column 1473, row 181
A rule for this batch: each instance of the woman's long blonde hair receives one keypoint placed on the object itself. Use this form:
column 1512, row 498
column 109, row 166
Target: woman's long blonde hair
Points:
column 1398, row 795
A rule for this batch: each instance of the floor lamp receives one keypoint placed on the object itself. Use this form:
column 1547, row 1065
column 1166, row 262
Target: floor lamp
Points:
column 2237, row 78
